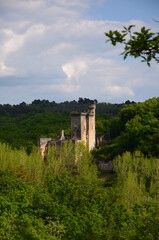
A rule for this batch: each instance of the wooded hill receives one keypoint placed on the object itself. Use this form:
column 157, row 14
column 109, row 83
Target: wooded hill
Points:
column 24, row 124
column 64, row 199
column 132, row 126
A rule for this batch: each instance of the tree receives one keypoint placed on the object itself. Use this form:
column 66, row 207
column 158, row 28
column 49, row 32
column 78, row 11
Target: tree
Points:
column 144, row 44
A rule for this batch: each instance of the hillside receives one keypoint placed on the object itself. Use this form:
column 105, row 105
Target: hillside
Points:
column 131, row 126
column 24, row 124
column 61, row 198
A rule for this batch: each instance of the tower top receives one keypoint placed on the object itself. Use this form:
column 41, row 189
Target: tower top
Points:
column 92, row 106
column 91, row 109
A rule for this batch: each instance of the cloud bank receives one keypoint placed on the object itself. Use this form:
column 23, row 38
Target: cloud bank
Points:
column 53, row 50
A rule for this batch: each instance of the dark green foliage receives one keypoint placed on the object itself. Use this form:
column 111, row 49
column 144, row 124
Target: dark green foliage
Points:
column 87, row 101
column 137, row 128
column 24, row 124
column 144, row 44
column 18, row 218
column 41, row 106
column 60, row 205
column 26, row 129
column 63, row 198
column 140, row 125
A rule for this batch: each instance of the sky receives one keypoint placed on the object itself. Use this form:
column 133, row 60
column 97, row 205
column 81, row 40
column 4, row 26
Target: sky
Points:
column 56, row 50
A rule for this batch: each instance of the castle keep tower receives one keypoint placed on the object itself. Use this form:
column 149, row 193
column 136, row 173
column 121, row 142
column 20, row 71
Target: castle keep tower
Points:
column 83, row 127
column 78, row 127
column 82, row 130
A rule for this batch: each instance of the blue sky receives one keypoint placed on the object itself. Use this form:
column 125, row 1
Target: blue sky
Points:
column 125, row 10
column 56, row 50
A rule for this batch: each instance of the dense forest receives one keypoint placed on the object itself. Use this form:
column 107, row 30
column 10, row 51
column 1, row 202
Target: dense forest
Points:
column 24, row 124
column 65, row 197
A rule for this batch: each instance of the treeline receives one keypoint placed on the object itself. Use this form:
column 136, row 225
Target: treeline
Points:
column 130, row 126
column 24, row 124
column 63, row 198
column 39, row 106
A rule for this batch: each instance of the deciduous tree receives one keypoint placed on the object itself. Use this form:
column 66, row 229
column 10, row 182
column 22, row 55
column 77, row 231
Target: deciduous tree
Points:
column 143, row 44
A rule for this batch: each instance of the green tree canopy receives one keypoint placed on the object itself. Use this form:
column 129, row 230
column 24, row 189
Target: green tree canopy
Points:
column 144, row 44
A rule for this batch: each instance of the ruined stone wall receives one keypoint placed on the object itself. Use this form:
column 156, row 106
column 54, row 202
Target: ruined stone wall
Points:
column 79, row 127
column 83, row 128
column 43, row 143
column 76, row 126
column 91, row 127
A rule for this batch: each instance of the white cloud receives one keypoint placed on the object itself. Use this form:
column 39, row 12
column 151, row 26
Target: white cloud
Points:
column 13, row 41
column 52, row 48
column 61, row 88
column 75, row 69
column 6, row 71
column 119, row 91
column 21, row 4
column 57, row 49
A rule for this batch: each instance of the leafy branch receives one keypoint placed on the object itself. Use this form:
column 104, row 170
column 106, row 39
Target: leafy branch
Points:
column 144, row 44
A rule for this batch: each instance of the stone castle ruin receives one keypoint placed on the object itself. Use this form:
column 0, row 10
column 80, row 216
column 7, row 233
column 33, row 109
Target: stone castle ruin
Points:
column 82, row 130
column 83, row 127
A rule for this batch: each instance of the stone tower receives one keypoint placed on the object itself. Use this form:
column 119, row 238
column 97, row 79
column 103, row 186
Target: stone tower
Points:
column 83, row 127
column 91, row 138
